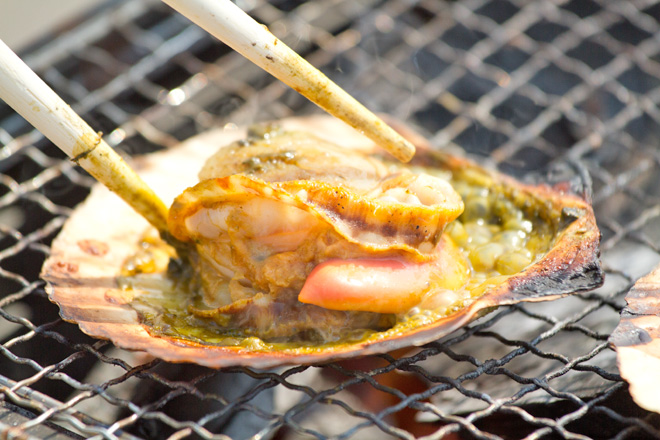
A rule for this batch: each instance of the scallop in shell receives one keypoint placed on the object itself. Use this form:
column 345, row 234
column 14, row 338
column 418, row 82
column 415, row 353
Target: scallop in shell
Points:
column 513, row 243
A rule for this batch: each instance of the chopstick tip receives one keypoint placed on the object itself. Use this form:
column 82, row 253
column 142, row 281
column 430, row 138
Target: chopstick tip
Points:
column 405, row 151
column 399, row 147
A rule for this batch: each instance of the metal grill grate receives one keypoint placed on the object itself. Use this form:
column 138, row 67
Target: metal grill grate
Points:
column 560, row 89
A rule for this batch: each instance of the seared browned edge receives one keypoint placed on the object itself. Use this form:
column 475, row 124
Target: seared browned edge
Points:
column 636, row 328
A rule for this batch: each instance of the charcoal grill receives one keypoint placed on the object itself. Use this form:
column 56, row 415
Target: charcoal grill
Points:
column 547, row 90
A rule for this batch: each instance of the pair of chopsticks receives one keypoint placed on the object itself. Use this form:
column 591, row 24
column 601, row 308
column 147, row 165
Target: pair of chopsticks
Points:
column 28, row 95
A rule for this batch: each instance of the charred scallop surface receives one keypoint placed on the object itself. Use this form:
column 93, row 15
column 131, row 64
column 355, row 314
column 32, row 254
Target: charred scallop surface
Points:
column 245, row 301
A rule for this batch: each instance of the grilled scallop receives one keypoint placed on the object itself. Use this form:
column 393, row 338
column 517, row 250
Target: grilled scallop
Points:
column 309, row 246
column 287, row 221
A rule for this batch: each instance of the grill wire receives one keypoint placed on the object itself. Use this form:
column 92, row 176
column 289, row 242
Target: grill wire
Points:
column 543, row 89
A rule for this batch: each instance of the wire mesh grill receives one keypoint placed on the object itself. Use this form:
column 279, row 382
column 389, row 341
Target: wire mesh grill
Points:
column 560, row 89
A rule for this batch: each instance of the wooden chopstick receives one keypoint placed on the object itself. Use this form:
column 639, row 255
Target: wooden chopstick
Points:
column 230, row 24
column 28, row 95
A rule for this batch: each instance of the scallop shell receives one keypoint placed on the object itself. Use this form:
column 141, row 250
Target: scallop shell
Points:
column 637, row 341
column 87, row 256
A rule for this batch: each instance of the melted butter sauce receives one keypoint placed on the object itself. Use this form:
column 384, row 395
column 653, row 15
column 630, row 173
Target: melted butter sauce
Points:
column 502, row 231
